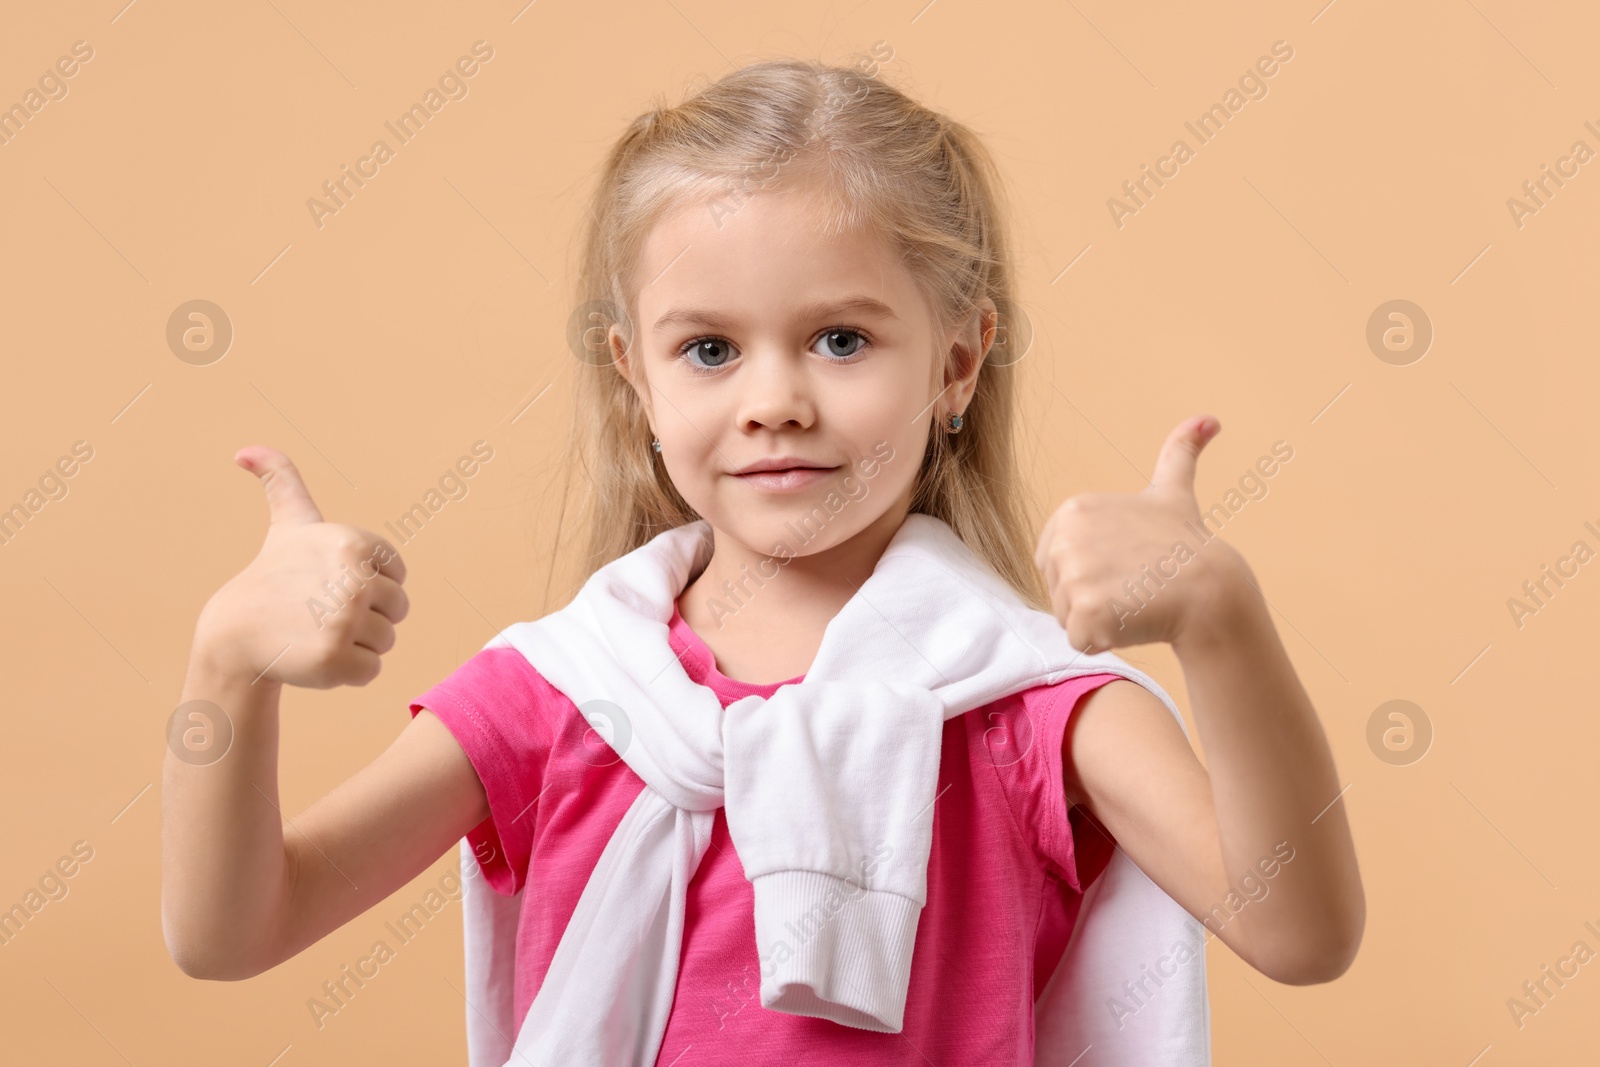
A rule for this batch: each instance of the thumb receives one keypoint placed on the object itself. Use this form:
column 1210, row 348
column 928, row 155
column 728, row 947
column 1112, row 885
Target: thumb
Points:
column 1175, row 465
column 288, row 500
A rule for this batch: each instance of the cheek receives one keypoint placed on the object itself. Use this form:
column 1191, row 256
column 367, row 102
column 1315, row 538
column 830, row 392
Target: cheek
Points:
column 894, row 407
column 889, row 449
column 685, row 447
column 891, row 394
column 690, row 425
column 685, row 415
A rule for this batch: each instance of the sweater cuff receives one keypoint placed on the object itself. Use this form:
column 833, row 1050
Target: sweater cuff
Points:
column 833, row 949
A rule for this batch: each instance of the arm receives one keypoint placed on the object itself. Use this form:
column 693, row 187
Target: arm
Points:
column 1202, row 836
column 244, row 888
column 1126, row 569
column 375, row 832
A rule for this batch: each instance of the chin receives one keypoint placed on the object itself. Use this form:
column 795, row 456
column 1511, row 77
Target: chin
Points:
column 797, row 529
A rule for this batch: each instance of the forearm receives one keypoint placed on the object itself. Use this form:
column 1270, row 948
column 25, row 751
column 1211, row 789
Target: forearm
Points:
column 225, row 871
column 1273, row 780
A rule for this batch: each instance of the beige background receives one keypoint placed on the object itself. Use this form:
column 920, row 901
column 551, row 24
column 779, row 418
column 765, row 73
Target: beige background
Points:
column 430, row 311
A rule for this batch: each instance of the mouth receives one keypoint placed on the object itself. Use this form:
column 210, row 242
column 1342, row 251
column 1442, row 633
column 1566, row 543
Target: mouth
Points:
column 784, row 479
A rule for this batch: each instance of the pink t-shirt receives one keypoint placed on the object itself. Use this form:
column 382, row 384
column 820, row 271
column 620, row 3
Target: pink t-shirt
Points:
column 1006, row 871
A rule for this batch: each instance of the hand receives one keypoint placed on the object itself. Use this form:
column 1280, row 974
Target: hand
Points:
column 318, row 605
column 1130, row 568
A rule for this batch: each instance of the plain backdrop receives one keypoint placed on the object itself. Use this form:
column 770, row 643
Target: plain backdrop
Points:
column 430, row 312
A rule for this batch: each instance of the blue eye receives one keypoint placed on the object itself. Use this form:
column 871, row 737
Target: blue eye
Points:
column 841, row 335
column 708, row 354
column 714, row 350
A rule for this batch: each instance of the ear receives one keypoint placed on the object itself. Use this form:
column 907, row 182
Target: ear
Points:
column 969, row 343
column 631, row 371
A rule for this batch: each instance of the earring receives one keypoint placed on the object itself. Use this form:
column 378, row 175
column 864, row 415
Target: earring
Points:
column 655, row 443
column 954, row 423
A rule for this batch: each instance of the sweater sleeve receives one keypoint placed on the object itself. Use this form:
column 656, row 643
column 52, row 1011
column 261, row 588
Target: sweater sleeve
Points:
column 497, row 708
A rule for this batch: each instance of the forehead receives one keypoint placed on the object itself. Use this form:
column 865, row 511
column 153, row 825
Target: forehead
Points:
column 766, row 251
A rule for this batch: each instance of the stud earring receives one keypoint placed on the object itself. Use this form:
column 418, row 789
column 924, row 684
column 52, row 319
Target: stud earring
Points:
column 954, row 423
column 655, row 443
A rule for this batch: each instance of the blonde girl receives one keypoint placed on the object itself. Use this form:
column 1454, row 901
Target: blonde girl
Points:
column 795, row 293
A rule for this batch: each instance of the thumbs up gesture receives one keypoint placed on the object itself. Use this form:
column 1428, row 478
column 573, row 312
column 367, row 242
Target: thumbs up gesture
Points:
column 318, row 605
column 1131, row 568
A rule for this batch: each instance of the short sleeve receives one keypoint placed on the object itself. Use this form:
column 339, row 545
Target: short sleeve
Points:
column 497, row 708
column 1072, row 846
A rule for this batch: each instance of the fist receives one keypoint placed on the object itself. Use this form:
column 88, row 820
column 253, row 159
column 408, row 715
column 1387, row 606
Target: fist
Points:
column 1130, row 568
column 318, row 605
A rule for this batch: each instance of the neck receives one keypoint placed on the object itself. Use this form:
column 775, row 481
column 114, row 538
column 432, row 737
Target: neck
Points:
column 764, row 614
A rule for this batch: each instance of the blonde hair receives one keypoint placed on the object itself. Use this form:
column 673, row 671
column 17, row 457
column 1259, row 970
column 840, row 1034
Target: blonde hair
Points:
column 918, row 177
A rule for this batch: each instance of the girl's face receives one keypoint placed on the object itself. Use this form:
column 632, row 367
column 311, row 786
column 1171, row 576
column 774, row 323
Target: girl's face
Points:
column 759, row 339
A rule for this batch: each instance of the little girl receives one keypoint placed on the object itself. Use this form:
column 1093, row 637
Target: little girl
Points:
column 868, row 775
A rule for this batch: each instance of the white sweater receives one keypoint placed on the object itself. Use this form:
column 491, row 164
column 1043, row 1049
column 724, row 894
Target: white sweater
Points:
column 810, row 779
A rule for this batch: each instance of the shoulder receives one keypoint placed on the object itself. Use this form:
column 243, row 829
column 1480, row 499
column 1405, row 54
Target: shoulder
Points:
column 507, row 719
column 498, row 670
column 497, row 699
column 1119, row 735
column 1022, row 738
column 1019, row 724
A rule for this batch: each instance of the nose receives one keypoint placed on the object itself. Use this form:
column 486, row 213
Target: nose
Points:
column 776, row 389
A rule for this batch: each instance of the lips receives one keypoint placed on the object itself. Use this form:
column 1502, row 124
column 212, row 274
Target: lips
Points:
column 784, row 479
column 781, row 463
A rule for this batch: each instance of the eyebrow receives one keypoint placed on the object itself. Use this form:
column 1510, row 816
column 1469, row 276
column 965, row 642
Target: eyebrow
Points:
column 718, row 321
